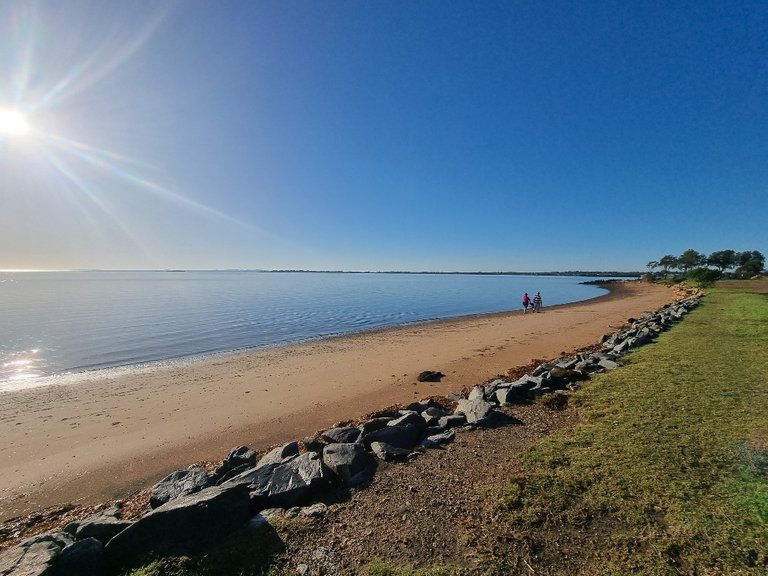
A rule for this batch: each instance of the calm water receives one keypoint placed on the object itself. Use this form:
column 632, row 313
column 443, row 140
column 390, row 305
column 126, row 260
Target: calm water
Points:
column 61, row 322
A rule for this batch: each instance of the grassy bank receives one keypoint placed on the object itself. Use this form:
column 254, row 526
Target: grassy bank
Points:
column 667, row 474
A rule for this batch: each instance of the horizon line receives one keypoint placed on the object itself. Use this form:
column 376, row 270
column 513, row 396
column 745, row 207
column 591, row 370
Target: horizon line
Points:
column 302, row 270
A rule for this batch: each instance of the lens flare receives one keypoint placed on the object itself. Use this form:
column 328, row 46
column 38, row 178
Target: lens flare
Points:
column 13, row 123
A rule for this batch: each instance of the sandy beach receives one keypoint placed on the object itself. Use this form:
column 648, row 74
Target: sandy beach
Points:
column 105, row 437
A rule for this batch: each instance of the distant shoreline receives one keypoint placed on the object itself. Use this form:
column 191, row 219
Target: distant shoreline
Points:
column 569, row 273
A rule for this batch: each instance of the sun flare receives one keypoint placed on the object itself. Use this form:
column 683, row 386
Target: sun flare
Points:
column 13, row 123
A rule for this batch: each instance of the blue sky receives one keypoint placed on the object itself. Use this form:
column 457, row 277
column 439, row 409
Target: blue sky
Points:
column 361, row 135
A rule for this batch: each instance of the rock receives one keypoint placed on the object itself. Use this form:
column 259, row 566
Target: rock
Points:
column 288, row 484
column 542, row 368
column 411, row 418
column 313, row 445
column 419, row 406
column 607, row 364
column 566, row 364
column 220, row 476
column 279, row 455
column 351, row 463
column 452, row 420
column 373, row 424
column 474, row 410
column 317, row 510
column 83, row 558
column 478, row 392
column 238, row 456
column 405, row 437
column 559, row 377
column 389, row 453
column 182, row 525
column 178, row 483
column 344, row 435
column 515, row 393
column 432, row 415
column 101, row 527
column 34, row 557
column 430, row 376
column 436, row 440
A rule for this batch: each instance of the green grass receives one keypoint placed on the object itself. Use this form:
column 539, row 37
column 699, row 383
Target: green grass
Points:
column 668, row 471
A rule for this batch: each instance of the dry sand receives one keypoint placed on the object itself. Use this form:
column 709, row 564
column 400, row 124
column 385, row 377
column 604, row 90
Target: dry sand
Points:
column 105, row 437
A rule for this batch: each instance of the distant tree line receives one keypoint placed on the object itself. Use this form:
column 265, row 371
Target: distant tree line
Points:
column 696, row 266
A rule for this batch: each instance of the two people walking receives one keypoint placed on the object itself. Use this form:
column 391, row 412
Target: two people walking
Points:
column 534, row 305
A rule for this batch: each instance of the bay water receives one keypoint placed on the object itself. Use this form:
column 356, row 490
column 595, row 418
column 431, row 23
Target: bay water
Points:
column 75, row 322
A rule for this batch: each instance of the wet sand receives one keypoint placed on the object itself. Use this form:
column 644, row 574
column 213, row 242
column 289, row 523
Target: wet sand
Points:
column 105, row 437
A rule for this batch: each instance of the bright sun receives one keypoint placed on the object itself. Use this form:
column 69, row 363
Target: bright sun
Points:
column 13, row 123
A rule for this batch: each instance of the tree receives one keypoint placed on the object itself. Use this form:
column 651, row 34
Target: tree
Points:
column 691, row 259
column 668, row 261
column 722, row 259
column 750, row 264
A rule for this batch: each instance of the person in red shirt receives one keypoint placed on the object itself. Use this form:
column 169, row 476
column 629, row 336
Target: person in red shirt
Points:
column 526, row 303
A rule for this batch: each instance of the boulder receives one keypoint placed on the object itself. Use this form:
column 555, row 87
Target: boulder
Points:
column 83, row 558
column 178, row 483
column 351, row 463
column 410, row 418
column 430, row 376
column 182, row 525
column 344, row 434
column 405, row 437
column 478, row 392
column 279, row 455
column 607, row 364
column 432, row 415
column 474, row 410
column 515, row 393
column 373, row 424
column 239, row 456
column 285, row 485
column 389, row 453
column 452, row 420
column 436, row 440
column 559, row 377
column 34, row 557
column 101, row 527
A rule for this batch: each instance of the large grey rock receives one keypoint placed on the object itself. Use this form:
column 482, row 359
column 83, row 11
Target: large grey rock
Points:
column 83, row 558
column 432, row 415
column 436, row 440
column 238, row 456
column 515, row 393
column 182, row 525
column 474, row 410
column 285, row 485
column 389, row 453
column 405, row 437
column 178, row 483
column 351, row 463
column 413, row 418
column 477, row 393
column 343, row 435
column 452, row 420
column 607, row 364
column 101, row 527
column 34, row 557
column 373, row 424
column 279, row 454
